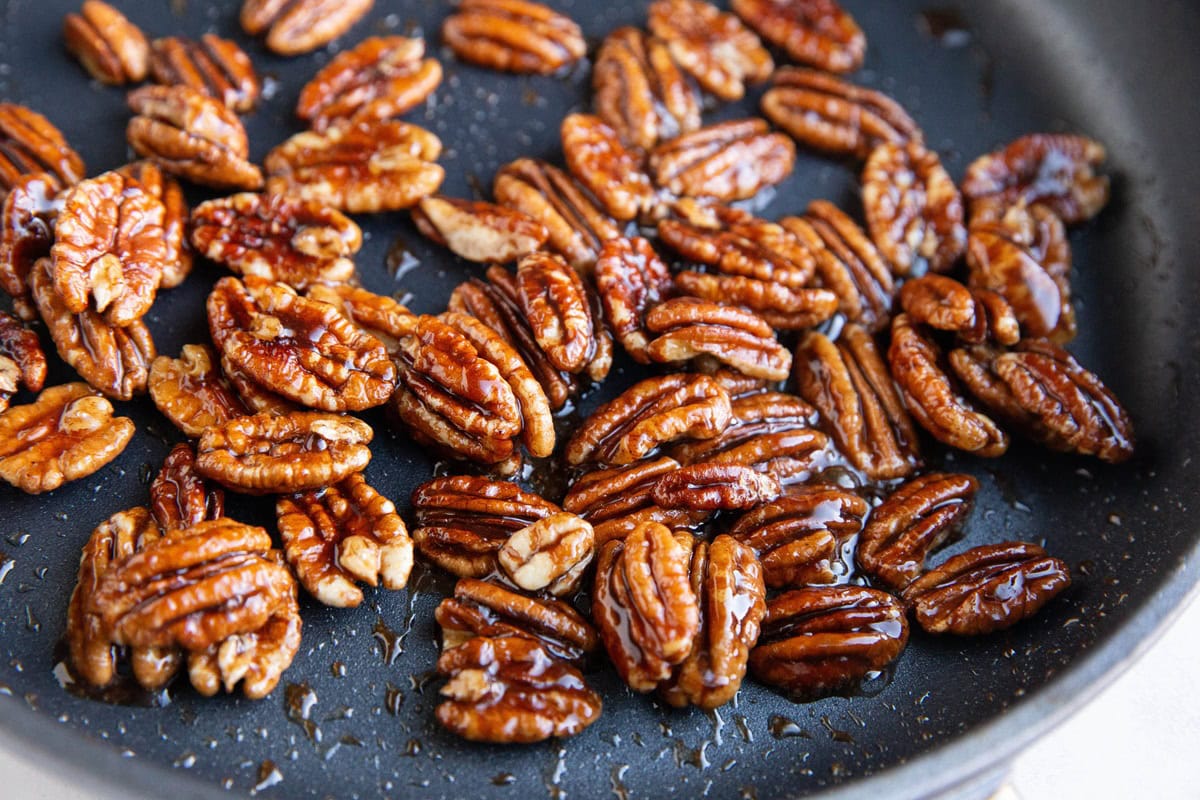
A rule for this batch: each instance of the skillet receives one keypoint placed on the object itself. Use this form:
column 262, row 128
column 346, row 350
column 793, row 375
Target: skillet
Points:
column 945, row 722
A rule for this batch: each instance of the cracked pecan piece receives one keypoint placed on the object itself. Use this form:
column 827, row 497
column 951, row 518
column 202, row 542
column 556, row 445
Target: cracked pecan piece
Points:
column 177, row 260
column 22, row 362
column 179, row 497
column 30, row 210
column 726, row 161
column 30, row 143
column 614, row 175
column 711, row 46
column 192, row 392
column 975, row 316
column 550, row 555
column 778, row 305
column 714, row 487
column 295, row 27
column 617, row 500
column 256, row 660
column 819, row 33
column 631, row 279
column 479, row 231
column 377, row 315
column 111, row 48
column 513, row 36
column 211, row 65
column 686, row 328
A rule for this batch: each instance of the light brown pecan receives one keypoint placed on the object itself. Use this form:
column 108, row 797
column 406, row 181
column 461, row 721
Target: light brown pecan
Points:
column 30, row 143
column 478, row 231
column 30, row 210
column 986, row 589
column 597, row 158
column 687, row 328
column 462, row 521
column 360, row 167
column 380, row 316
column 179, row 497
column 651, row 413
column 640, row 90
column 191, row 135
column 619, row 499
column 728, row 582
column 509, row 690
column 297, row 242
column 177, row 261
column 819, row 33
column 799, row 537
column 850, row 386
column 644, row 605
column 192, row 392
column 22, row 362
column 550, row 555
column 777, row 304
column 727, row 160
column 711, row 46
column 295, row 27
column 715, row 487
column 211, row 65
column 256, row 660
column 343, row 534
column 631, row 279
column 1056, row 170
column 110, row 47
column 279, row 453
column 514, row 36
column 976, row 316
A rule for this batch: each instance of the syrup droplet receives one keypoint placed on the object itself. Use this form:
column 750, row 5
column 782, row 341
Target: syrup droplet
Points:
column 299, row 699
column 783, row 728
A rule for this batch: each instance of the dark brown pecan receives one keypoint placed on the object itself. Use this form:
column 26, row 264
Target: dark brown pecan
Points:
column 294, row 27
column 631, row 279
column 640, row 90
column 977, row 316
column 213, row 66
column 110, row 47
column 30, row 210
column 780, row 306
column 849, row 384
column 378, row 315
column 687, row 328
column 297, row 242
column 361, row 167
column 555, row 302
column 714, row 487
column 913, row 208
column 463, row 521
column 257, row 399
column 30, row 143
column 651, row 413
column 1054, row 169
column 514, row 36
column 478, row 231
column 279, row 453
column 177, row 262
column 191, row 135
column 179, row 497
column 835, row 116
column 986, row 589
column 550, row 555
column 799, row 537
column 644, row 606
column 727, row 580
column 192, row 392
column 341, row 534
column 256, row 660
column 727, row 161
column 617, row 500
column 819, row 33
column 711, row 46
column 597, row 158
column 509, row 690
column 67, row 433
column 22, row 362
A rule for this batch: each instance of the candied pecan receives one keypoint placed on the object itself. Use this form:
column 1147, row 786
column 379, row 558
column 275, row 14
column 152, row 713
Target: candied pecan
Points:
column 913, row 208
column 213, row 66
column 730, row 160
column 179, row 497
column 640, row 90
column 711, row 46
column 191, row 135
column 510, row 690
column 631, row 279
column 975, row 315
column 514, row 36
column 462, row 521
column 550, row 555
column 986, row 589
column 617, row 500
column 256, row 659
column 277, row 453
column 478, row 231
column 554, row 301
column 30, row 210
column 1054, row 169
column 780, row 306
column 361, row 167
column 850, row 386
column 688, row 328
column 295, row 27
column 816, row 32
column 21, row 359
column 728, row 583
column 380, row 316
column 177, row 261
column 110, row 47
column 297, row 242
column 649, row 414
column 599, row 161
column 714, row 487
column 254, row 397
column 644, row 606
column 798, row 537
column 341, row 534
column 30, row 143
column 192, row 392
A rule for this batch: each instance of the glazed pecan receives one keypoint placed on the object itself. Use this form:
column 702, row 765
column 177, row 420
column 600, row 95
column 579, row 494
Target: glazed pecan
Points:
column 711, row 46
column 192, row 392
column 509, row 690
column 295, row 27
column 728, row 583
column 67, row 433
column 640, row 90
column 256, row 660
column 651, row 413
column 550, row 555
column 191, row 135
column 462, row 521
column 644, row 605
column 110, row 47
column 279, row 453
column 849, row 384
column 179, row 497
column 514, row 36
column 346, row 532
column 22, row 362
column 730, row 160
column 297, row 242
column 478, row 231
column 631, row 279
column 30, row 210
column 30, row 143
column 687, row 328
column 177, row 262
column 599, row 161
column 986, row 589
column 819, row 33
column 778, row 305
column 976, row 316
column 380, row 316
column 213, row 66
column 361, row 167
column 554, row 301
column 714, row 487
column 619, row 499
column 913, row 208
column 799, row 537
column 1056, row 170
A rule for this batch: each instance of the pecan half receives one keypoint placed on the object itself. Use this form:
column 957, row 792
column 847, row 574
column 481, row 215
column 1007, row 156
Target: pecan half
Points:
column 22, row 362
column 549, row 555
column 727, row 160
column 815, row 32
column 777, row 304
column 254, row 397
column 295, row 27
column 177, row 261
column 631, row 279
column 554, row 301
column 619, row 499
column 192, row 392
column 179, row 497
column 976, row 316
column 714, row 487
column 213, row 66
column 688, row 328
column 514, row 36
column 711, row 46
column 30, row 210
column 478, row 231
column 380, row 316
column 256, row 660
column 341, row 534
column 986, row 589
column 278, row 453
column 110, row 47
column 597, row 158
column 30, row 143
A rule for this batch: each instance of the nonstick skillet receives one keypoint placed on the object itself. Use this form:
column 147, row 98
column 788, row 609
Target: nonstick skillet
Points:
column 353, row 716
